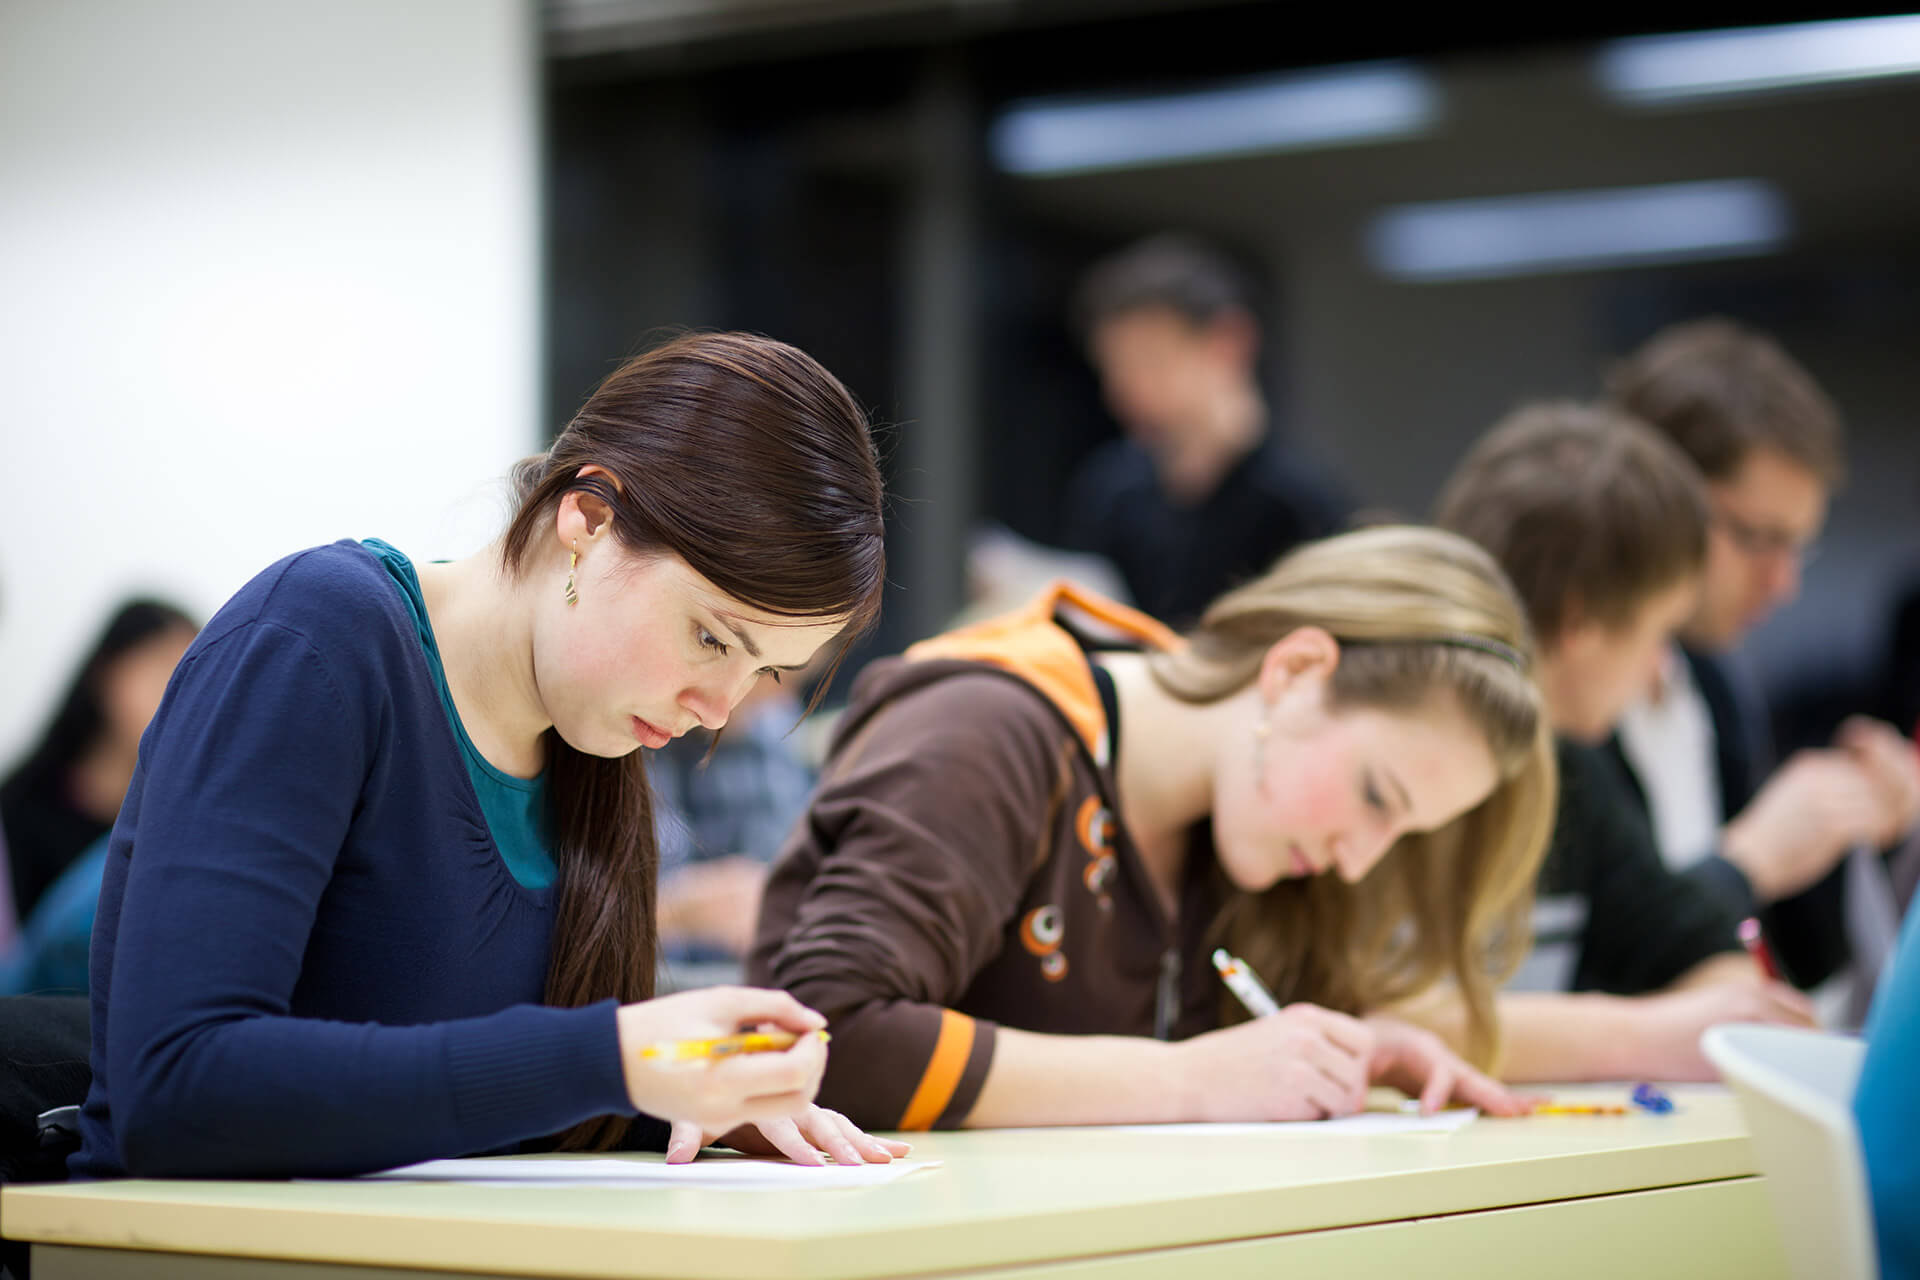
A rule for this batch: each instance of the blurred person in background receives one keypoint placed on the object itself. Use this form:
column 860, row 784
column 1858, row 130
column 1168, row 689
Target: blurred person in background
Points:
column 9, row 917
column 1770, row 444
column 51, row 954
column 66, row 793
column 1602, row 526
column 1005, row 570
column 1203, row 493
column 723, row 805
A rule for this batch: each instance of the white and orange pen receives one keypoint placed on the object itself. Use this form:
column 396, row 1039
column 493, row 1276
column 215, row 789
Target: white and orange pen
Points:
column 1241, row 981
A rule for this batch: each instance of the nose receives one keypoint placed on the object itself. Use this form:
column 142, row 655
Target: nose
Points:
column 1785, row 582
column 709, row 706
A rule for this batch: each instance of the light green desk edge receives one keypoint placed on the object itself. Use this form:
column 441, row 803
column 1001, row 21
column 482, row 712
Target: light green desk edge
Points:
column 1634, row 1195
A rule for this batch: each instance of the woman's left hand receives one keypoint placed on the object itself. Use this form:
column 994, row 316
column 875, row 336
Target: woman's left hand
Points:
column 804, row 1139
column 1419, row 1064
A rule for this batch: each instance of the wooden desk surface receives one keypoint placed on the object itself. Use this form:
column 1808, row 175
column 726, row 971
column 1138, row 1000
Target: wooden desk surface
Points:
column 1001, row 1199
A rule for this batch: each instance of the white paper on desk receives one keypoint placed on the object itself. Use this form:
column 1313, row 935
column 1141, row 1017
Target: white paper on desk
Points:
column 1367, row 1122
column 756, row 1175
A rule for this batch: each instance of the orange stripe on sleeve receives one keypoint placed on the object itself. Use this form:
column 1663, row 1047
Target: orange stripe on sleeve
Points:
column 942, row 1076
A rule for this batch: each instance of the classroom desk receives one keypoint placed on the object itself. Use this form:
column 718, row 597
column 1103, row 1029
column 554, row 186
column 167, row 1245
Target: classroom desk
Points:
column 1638, row 1196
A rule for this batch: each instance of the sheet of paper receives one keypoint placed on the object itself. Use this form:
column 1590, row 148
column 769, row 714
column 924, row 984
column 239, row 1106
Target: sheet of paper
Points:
column 1367, row 1122
column 757, row 1175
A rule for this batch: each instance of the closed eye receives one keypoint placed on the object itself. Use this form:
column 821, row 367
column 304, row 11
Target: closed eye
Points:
column 1370, row 792
column 721, row 649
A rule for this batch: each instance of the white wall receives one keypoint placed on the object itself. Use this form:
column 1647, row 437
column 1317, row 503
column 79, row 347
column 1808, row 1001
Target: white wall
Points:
column 268, row 277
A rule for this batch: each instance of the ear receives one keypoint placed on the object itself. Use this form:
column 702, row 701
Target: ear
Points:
column 582, row 515
column 1305, row 655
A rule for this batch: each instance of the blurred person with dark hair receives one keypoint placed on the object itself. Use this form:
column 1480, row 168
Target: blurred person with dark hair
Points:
column 66, row 793
column 724, row 805
column 1602, row 524
column 62, row 798
column 1771, row 446
column 9, row 916
column 53, row 951
column 1203, row 493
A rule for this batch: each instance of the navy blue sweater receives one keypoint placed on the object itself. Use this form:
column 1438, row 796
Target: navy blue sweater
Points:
column 309, row 957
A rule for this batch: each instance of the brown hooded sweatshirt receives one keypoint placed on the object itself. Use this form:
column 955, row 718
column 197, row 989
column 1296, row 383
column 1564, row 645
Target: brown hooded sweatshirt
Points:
column 962, row 865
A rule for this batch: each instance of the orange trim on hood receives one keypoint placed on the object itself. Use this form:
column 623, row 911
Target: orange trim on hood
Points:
column 1031, row 643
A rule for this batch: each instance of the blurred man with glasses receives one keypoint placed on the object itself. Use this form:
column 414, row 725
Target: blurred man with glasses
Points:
column 1771, row 448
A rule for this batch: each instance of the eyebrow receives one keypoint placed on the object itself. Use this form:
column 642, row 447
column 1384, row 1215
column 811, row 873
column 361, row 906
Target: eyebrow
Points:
column 745, row 641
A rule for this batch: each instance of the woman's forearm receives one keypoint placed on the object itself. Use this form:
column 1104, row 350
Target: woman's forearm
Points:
column 1545, row 1036
column 1038, row 1079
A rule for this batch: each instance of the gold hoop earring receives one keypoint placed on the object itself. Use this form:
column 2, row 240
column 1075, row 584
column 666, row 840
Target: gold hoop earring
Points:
column 573, row 597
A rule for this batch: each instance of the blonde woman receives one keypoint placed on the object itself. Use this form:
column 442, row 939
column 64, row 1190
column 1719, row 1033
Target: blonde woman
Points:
column 1032, row 833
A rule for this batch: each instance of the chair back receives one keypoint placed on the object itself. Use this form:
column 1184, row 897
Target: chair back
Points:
column 1796, row 1090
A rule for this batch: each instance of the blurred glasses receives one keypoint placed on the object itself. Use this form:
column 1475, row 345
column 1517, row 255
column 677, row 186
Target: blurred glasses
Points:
column 1765, row 542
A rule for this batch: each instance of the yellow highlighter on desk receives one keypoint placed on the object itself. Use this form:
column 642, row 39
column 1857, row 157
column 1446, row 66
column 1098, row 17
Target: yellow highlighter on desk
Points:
column 1648, row 1098
column 725, row 1046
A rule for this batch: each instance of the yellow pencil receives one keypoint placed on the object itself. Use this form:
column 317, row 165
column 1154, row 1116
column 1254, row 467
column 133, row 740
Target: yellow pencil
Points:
column 724, row 1046
column 1578, row 1109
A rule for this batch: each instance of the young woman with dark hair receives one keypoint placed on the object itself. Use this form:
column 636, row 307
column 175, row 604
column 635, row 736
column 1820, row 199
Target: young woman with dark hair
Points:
column 383, row 887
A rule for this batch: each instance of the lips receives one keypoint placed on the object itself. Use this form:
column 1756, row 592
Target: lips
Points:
column 650, row 735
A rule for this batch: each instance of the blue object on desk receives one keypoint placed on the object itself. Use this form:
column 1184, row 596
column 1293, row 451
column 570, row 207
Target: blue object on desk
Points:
column 1649, row 1098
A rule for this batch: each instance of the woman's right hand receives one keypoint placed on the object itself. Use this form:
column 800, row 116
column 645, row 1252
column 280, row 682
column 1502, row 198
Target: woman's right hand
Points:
column 1303, row 1063
column 722, row 1094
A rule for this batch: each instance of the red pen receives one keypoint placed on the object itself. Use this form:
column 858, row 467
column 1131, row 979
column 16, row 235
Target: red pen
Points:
column 1756, row 944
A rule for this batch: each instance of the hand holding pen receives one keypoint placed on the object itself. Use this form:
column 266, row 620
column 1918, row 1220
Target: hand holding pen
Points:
column 699, row 1052
column 739, row 1089
column 1409, row 1058
column 1298, row 1063
column 740, row 1065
